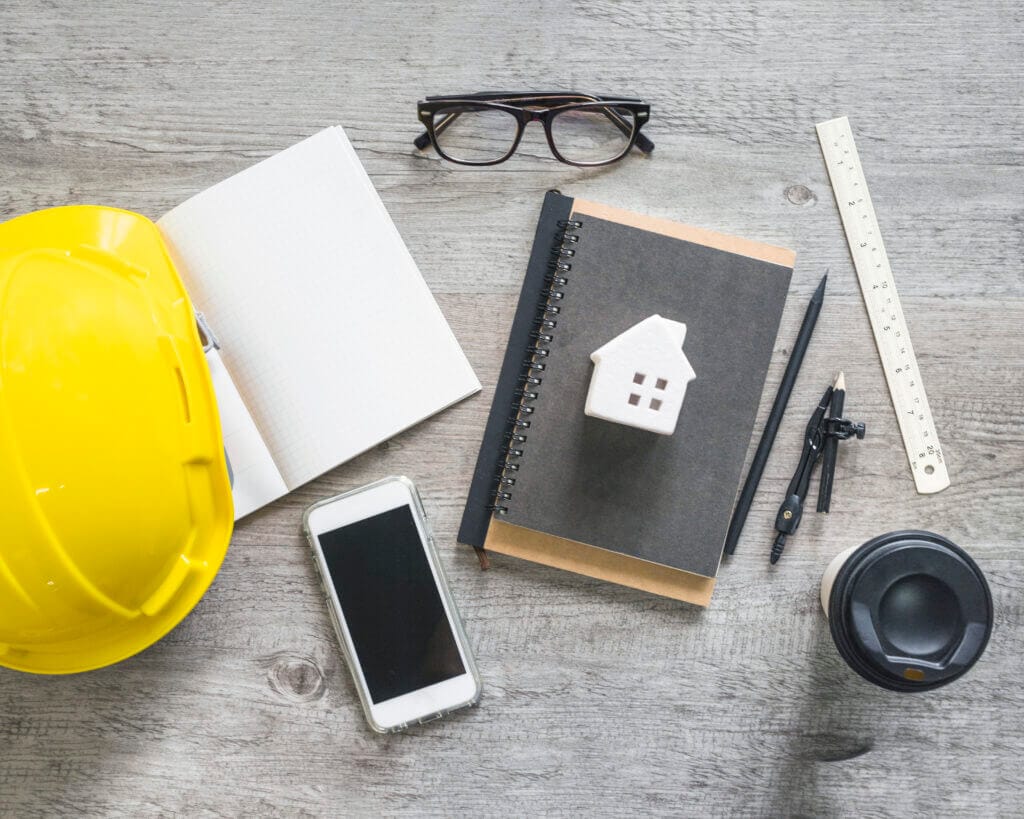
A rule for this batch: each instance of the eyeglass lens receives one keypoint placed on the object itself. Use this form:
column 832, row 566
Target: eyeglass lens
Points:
column 475, row 133
column 590, row 135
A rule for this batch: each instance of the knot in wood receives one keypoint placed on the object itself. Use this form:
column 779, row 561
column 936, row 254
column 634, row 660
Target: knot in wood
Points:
column 297, row 678
column 800, row 195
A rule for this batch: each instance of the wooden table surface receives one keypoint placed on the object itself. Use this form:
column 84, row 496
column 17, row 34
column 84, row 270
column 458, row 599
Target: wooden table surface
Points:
column 598, row 700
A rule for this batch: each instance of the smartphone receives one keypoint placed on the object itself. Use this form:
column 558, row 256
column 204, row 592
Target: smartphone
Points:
column 389, row 600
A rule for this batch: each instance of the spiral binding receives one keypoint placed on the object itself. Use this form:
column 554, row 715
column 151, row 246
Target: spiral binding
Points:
column 533, row 367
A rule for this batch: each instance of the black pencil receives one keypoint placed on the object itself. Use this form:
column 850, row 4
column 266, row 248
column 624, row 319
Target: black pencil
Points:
column 771, row 427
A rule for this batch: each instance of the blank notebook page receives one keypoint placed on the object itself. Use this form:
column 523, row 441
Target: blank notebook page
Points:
column 325, row 323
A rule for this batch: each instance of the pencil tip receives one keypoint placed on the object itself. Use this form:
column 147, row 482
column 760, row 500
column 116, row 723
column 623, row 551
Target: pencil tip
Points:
column 840, row 383
column 820, row 292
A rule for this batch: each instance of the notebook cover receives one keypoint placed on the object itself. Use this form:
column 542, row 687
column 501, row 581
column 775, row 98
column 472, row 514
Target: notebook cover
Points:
column 601, row 564
column 478, row 529
column 663, row 499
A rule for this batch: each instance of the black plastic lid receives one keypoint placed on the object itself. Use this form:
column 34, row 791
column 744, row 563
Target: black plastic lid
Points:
column 910, row 611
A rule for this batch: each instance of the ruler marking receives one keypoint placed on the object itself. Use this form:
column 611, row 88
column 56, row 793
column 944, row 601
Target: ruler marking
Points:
column 885, row 312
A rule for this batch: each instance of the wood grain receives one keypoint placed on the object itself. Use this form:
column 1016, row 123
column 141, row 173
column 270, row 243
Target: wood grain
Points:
column 599, row 700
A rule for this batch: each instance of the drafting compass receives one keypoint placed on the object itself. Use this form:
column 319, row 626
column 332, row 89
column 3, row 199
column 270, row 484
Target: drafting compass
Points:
column 824, row 432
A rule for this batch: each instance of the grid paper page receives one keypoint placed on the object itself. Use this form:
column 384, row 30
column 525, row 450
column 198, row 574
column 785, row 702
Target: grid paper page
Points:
column 326, row 325
column 255, row 480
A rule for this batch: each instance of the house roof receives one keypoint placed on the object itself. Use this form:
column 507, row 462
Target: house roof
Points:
column 662, row 330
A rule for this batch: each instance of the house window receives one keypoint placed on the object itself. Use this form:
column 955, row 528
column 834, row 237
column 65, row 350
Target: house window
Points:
column 634, row 399
column 655, row 403
column 638, row 378
column 660, row 384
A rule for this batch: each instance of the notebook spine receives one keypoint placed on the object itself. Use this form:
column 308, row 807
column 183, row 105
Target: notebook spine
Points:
column 531, row 377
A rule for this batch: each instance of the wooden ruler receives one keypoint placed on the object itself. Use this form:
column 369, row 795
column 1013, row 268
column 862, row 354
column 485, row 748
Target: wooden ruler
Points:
column 927, row 463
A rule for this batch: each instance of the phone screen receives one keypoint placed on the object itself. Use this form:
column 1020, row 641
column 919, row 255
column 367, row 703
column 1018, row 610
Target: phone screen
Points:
column 392, row 607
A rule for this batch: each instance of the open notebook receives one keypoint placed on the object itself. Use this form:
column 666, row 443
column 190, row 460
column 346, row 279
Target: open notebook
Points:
column 330, row 340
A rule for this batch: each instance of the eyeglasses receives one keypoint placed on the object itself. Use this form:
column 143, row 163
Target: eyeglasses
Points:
column 485, row 129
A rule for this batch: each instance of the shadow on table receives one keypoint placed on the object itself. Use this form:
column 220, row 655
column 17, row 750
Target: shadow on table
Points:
column 835, row 722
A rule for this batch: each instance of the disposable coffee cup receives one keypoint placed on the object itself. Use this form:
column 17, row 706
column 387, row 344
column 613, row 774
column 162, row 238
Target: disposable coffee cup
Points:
column 909, row 611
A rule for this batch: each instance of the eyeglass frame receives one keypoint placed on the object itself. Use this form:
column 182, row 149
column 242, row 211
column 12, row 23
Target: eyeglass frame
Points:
column 525, row 108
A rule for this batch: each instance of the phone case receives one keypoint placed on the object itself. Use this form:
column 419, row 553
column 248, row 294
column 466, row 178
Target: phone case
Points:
column 460, row 634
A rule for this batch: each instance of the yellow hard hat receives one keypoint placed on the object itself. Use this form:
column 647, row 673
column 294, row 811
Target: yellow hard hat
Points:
column 115, row 505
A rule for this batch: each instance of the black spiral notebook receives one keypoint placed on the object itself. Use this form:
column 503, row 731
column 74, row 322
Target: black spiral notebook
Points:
column 558, row 487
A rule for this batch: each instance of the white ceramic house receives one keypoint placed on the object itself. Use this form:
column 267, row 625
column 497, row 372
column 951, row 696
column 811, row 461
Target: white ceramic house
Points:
column 640, row 376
